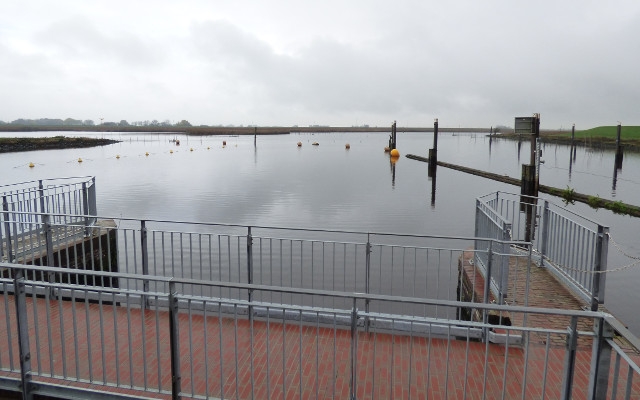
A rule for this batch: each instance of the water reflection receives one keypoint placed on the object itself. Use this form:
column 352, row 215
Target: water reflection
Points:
column 617, row 166
column 392, row 164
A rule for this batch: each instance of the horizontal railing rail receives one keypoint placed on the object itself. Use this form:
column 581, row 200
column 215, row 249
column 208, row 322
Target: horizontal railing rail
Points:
column 424, row 266
column 164, row 341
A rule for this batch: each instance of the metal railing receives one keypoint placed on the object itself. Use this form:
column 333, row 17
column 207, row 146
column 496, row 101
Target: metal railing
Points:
column 423, row 266
column 63, row 201
column 131, row 342
column 572, row 247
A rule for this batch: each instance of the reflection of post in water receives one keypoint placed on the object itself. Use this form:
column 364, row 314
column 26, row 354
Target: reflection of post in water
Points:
column 519, row 147
column 392, row 163
column 617, row 163
column 571, row 159
column 431, row 173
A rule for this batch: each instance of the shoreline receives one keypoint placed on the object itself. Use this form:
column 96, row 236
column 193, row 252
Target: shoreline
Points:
column 13, row 145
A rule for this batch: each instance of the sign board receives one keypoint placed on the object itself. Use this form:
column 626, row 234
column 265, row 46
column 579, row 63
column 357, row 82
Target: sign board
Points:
column 525, row 125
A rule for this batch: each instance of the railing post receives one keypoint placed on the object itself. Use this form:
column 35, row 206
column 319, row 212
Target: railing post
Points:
column 487, row 289
column 250, row 270
column 354, row 351
column 144, row 251
column 570, row 359
column 599, row 278
column 7, row 228
column 23, row 333
column 504, row 262
column 600, row 360
column 367, row 280
column 544, row 234
column 48, row 238
column 174, row 342
column 85, row 208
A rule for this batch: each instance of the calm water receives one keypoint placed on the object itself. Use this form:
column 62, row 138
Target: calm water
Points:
column 276, row 183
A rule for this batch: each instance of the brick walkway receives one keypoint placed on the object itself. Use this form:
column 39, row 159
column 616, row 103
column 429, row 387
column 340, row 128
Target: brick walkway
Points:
column 288, row 362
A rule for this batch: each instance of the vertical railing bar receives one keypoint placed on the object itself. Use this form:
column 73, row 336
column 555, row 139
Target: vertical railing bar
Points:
column 393, row 348
column 206, row 348
column 627, row 394
column 129, row 338
column 300, row 369
column 570, row 358
column 235, row 345
column 62, row 339
column 506, row 363
column 616, row 373
column 354, row 349
column 447, row 366
column 317, row 384
column 190, row 311
column 88, row 328
column 115, row 337
column 23, row 333
column 102, row 347
column 36, row 325
column 157, row 335
column 143, row 329
column 546, row 365
column 268, row 368
column 49, row 333
column 411, row 358
column 174, row 340
column 220, row 341
column 284, row 353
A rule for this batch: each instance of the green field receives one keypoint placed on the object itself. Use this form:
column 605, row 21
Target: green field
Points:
column 608, row 132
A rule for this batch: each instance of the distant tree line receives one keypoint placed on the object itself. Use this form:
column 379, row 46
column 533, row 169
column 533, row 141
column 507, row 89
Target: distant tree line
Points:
column 89, row 122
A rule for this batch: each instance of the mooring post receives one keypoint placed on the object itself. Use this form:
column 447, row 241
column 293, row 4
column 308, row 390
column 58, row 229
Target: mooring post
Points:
column 573, row 134
column 433, row 153
column 392, row 139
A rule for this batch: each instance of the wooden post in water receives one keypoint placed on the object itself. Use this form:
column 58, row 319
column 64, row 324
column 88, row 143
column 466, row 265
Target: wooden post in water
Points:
column 433, row 153
column 392, row 139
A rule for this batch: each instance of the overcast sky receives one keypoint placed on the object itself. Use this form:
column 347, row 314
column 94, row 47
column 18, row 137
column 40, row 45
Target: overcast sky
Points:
column 468, row 63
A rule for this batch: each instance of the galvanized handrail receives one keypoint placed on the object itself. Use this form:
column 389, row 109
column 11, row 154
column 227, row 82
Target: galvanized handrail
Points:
column 185, row 317
column 572, row 247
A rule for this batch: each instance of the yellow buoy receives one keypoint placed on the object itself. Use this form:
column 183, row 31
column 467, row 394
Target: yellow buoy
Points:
column 208, row 147
column 117, row 156
column 395, row 153
column 299, row 144
column 170, row 151
column 191, row 149
column 79, row 159
column 31, row 165
column 347, row 146
column 146, row 153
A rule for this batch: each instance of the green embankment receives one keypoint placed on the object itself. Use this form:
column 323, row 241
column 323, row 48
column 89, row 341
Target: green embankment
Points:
column 601, row 136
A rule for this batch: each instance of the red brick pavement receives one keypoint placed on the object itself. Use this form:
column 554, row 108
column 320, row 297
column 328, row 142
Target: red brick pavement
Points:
column 287, row 361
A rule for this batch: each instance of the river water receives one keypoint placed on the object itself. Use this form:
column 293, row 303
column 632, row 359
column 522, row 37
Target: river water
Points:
column 276, row 183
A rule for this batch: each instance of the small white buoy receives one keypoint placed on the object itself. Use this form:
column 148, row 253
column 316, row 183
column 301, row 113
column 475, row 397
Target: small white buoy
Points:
column 146, row 153
column 31, row 165
column 117, row 156
column 79, row 160
column 170, row 151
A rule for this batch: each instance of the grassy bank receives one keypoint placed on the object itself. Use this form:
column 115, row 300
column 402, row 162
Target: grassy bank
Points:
column 599, row 137
column 13, row 144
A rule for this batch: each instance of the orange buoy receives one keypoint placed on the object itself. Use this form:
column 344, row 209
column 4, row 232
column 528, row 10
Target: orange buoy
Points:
column 395, row 153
